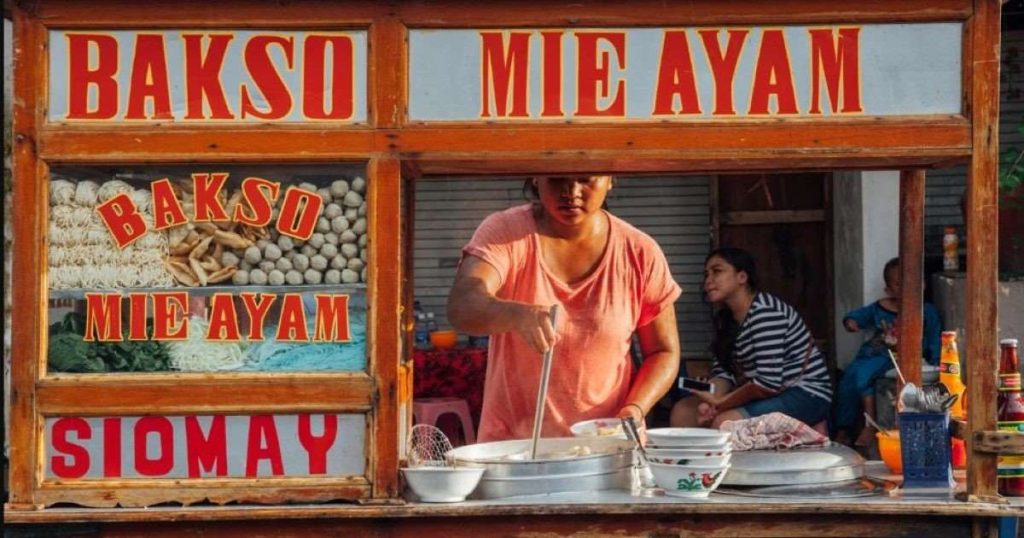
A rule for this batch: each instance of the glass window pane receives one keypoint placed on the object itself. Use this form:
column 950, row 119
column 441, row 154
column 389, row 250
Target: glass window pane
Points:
column 207, row 268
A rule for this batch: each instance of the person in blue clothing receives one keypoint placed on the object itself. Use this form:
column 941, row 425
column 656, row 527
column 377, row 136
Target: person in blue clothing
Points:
column 857, row 385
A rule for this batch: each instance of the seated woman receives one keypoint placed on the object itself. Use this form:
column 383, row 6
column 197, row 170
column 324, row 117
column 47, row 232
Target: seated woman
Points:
column 764, row 358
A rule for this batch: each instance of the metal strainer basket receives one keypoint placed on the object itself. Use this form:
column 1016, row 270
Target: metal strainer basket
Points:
column 427, row 447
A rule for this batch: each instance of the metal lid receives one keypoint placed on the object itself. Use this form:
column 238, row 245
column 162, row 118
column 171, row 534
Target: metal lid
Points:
column 1012, row 342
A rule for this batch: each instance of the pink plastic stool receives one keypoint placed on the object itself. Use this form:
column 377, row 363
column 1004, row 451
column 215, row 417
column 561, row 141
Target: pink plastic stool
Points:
column 429, row 410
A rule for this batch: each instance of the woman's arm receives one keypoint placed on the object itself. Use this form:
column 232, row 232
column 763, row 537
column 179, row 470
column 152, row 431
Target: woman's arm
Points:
column 659, row 344
column 473, row 307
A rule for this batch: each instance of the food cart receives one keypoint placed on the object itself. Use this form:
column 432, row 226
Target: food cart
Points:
column 192, row 132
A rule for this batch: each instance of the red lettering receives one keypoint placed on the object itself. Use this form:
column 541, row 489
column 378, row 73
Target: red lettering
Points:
column 594, row 74
column 112, row 447
column 74, row 463
column 838, row 62
column 167, row 210
column 772, row 76
column 121, row 217
column 300, row 211
column 317, row 446
column 551, row 77
column 168, row 315
column 258, row 196
column 257, row 311
column 675, row 77
column 206, row 453
column 202, row 77
column 262, row 427
column 504, row 74
column 137, row 306
column 292, row 326
column 149, row 79
column 206, row 188
column 164, row 461
column 723, row 66
column 102, row 317
column 313, row 77
column 223, row 319
column 269, row 82
column 82, row 75
column 331, row 323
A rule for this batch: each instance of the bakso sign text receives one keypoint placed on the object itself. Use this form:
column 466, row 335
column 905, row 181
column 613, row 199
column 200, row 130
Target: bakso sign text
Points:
column 207, row 76
column 685, row 73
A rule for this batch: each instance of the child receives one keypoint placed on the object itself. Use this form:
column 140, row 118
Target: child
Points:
column 857, row 386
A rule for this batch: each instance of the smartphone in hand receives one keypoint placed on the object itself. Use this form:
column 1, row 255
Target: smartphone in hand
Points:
column 689, row 383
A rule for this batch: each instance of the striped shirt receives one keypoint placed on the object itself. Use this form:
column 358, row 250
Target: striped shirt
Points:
column 771, row 348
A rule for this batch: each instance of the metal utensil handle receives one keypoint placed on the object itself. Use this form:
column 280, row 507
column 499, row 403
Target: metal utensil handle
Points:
column 542, row 392
column 633, row 433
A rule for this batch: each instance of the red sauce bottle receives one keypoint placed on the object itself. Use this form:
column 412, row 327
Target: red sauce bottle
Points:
column 1010, row 418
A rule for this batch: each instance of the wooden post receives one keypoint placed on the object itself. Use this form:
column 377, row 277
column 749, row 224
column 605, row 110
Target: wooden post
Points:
column 28, row 276
column 911, row 273
column 982, row 230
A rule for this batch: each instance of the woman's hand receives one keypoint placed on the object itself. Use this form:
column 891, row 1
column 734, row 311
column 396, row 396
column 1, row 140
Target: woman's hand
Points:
column 533, row 324
column 634, row 411
column 707, row 397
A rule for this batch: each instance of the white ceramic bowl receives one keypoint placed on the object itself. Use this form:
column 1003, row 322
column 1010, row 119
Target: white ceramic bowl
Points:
column 687, row 481
column 599, row 427
column 442, row 484
column 688, row 438
column 691, row 452
column 713, row 461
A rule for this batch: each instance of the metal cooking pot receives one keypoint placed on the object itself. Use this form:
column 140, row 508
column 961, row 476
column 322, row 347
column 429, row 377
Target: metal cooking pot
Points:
column 563, row 464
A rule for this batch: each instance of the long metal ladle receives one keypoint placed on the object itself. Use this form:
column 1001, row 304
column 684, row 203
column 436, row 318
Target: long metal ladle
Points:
column 542, row 392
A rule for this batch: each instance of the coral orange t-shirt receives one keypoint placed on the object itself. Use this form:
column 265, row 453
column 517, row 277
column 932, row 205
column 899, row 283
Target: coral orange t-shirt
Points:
column 591, row 369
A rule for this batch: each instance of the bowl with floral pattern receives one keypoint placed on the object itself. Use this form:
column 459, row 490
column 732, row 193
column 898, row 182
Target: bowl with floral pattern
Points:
column 689, row 452
column 688, row 438
column 688, row 480
column 712, row 461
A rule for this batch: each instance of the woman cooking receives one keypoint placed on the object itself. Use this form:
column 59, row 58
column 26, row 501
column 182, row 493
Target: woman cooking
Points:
column 608, row 279
column 764, row 357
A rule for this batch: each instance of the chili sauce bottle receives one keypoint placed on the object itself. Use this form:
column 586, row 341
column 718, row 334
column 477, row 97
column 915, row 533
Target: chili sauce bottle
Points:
column 1010, row 418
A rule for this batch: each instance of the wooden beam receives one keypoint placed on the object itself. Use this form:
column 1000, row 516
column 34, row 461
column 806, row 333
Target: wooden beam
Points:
column 911, row 273
column 103, row 394
column 468, row 13
column 999, row 442
column 385, row 285
column 29, row 222
column 982, row 233
column 929, row 140
column 744, row 218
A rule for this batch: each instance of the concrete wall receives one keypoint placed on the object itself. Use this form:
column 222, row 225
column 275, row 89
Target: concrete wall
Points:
column 865, row 214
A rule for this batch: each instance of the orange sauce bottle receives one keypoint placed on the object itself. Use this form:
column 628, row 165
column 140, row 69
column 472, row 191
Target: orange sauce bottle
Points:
column 949, row 373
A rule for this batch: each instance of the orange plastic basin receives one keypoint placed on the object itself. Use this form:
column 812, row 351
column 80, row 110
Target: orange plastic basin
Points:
column 889, row 448
column 443, row 339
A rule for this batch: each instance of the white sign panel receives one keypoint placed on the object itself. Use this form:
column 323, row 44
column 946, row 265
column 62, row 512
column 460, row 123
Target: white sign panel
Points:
column 685, row 73
column 218, row 446
column 207, row 76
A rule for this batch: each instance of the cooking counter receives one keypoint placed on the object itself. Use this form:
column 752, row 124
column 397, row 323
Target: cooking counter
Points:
column 593, row 503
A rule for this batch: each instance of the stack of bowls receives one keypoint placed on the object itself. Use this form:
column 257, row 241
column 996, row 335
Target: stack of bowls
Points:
column 688, row 462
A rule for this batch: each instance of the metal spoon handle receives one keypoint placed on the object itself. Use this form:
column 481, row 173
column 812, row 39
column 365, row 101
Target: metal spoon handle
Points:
column 542, row 392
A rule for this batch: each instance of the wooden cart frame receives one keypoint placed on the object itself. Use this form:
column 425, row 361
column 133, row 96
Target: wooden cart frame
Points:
column 393, row 146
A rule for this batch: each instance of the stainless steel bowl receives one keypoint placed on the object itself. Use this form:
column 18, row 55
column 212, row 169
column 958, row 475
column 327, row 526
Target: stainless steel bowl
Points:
column 556, row 456
column 565, row 464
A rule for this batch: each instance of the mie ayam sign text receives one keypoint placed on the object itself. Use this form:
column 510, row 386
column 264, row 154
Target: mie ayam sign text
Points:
column 684, row 74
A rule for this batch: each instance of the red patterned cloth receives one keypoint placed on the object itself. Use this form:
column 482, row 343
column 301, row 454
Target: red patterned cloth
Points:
column 457, row 372
column 772, row 431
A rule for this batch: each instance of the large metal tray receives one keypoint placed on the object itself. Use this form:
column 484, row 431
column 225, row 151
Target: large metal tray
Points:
column 510, row 473
column 835, row 463
column 511, row 459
